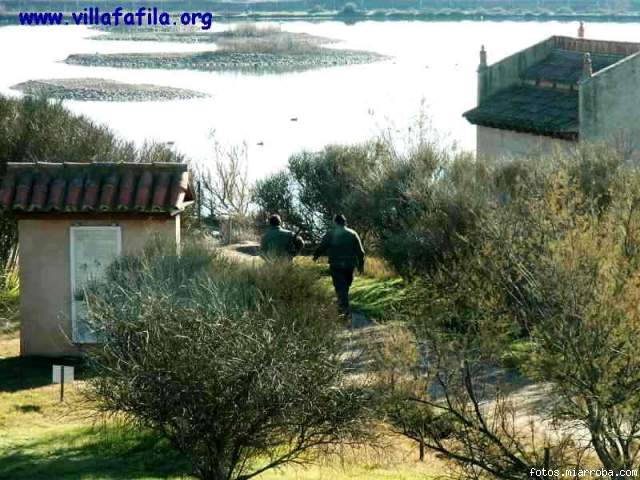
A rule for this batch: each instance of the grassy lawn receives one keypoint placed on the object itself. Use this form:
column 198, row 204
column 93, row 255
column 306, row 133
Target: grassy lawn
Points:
column 42, row 438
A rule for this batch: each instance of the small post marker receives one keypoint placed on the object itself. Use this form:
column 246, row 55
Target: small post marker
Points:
column 62, row 375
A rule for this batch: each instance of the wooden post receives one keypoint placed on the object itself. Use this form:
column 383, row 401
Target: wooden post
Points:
column 229, row 228
column 547, row 458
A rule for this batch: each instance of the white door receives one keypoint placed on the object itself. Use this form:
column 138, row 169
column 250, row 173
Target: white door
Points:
column 93, row 249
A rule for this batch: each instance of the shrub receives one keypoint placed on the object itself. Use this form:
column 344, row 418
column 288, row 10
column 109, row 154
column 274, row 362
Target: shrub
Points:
column 249, row 29
column 9, row 300
column 35, row 129
column 238, row 366
column 426, row 207
column 414, row 207
column 556, row 265
column 400, row 380
column 339, row 179
column 318, row 185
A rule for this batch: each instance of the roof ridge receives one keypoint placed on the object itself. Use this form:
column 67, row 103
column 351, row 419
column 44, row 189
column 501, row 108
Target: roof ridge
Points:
column 596, row 40
column 137, row 165
column 577, row 52
column 72, row 187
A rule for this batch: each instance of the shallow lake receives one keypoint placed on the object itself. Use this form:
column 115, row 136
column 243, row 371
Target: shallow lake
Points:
column 433, row 64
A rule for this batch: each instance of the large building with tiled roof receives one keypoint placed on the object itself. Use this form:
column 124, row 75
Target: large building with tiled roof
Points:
column 73, row 220
column 556, row 93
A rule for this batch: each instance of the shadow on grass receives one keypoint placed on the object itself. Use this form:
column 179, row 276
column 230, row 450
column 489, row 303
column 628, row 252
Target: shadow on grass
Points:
column 22, row 373
column 113, row 453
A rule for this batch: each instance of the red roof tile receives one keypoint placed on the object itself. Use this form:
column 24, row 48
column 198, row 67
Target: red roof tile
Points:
column 40, row 190
column 96, row 187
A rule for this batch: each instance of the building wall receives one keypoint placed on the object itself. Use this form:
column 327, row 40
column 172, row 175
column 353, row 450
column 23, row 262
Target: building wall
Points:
column 495, row 145
column 45, row 276
column 610, row 105
column 507, row 72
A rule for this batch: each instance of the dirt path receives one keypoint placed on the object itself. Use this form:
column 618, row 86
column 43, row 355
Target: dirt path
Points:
column 244, row 251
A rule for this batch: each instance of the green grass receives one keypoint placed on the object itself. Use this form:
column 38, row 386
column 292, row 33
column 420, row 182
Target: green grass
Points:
column 377, row 293
column 518, row 355
column 42, row 438
column 100, row 452
column 377, row 298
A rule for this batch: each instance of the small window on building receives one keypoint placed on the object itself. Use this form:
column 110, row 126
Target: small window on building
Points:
column 93, row 249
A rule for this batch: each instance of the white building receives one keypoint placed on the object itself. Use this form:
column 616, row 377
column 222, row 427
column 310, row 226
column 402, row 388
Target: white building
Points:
column 556, row 93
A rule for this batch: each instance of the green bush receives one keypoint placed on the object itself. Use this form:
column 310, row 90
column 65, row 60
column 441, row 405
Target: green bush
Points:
column 238, row 366
column 415, row 208
column 549, row 288
column 427, row 205
column 276, row 194
column 316, row 186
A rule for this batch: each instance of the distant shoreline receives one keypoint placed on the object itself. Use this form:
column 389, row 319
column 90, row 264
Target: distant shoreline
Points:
column 441, row 15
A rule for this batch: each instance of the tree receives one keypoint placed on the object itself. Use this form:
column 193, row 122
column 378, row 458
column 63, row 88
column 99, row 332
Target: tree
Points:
column 275, row 194
column 238, row 367
column 225, row 188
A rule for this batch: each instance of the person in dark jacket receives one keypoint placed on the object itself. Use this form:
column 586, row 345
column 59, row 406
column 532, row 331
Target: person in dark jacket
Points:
column 278, row 242
column 344, row 249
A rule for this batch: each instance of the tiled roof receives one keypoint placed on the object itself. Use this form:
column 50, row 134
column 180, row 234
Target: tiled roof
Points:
column 565, row 66
column 96, row 188
column 543, row 111
column 544, row 98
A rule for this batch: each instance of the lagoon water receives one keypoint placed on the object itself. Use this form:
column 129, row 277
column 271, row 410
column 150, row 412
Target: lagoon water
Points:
column 432, row 70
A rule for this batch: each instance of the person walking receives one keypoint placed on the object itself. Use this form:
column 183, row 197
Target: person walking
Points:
column 278, row 242
column 344, row 249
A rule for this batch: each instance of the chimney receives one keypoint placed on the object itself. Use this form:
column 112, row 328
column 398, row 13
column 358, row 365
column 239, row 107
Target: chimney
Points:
column 581, row 30
column 587, row 68
column 483, row 57
column 482, row 68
